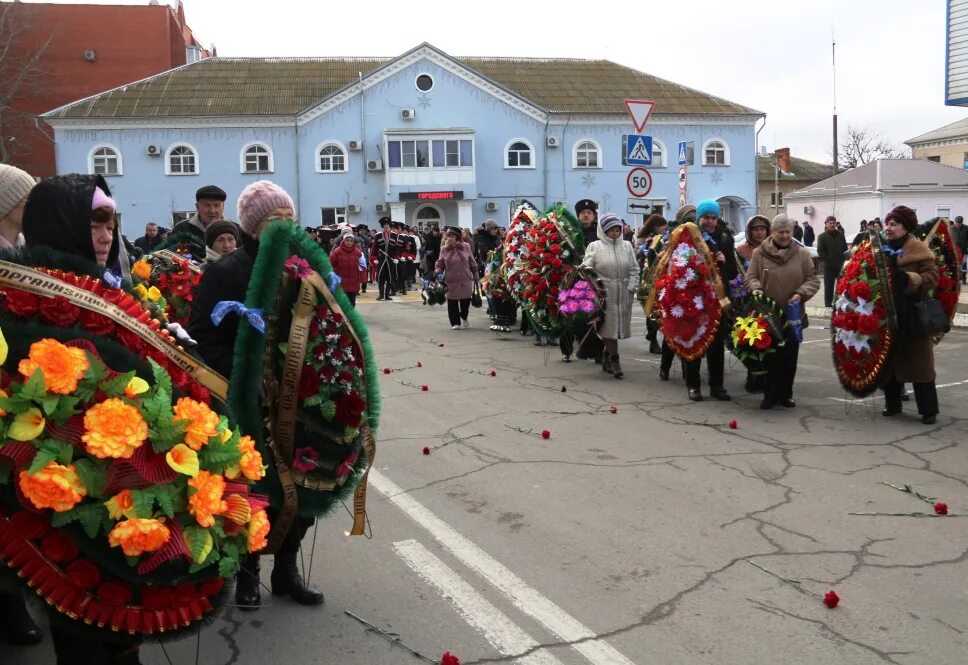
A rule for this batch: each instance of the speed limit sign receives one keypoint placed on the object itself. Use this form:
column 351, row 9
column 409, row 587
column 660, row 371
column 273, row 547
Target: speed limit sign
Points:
column 639, row 182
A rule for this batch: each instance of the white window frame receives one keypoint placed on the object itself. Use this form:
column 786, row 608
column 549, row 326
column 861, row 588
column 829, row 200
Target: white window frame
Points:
column 340, row 218
column 244, row 154
column 946, row 206
column 429, row 138
column 335, row 144
column 664, row 162
column 600, row 156
column 433, row 82
column 171, row 149
column 117, row 156
column 725, row 145
column 531, row 154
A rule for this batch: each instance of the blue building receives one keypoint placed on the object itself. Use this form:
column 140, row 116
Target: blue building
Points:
column 424, row 138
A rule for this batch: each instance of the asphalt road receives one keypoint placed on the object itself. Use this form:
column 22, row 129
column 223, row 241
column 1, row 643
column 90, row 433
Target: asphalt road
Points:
column 624, row 538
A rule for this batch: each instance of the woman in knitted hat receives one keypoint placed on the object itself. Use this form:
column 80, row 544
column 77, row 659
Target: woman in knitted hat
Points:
column 222, row 237
column 228, row 279
column 614, row 260
column 15, row 186
column 915, row 276
column 347, row 259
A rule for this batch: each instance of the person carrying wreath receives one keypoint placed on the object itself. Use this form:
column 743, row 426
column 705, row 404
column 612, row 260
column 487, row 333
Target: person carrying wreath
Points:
column 782, row 270
column 613, row 259
column 915, row 276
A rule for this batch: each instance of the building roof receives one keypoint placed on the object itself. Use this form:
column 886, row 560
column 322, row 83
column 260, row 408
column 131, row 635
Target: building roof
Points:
column 889, row 174
column 801, row 170
column 955, row 130
column 217, row 87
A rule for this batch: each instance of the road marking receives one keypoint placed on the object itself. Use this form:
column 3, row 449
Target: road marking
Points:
column 496, row 627
column 950, row 385
column 645, row 360
column 940, row 385
column 525, row 598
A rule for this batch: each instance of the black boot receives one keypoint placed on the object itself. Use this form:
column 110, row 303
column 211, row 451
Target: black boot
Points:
column 616, row 367
column 16, row 622
column 287, row 580
column 606, row 365
column 247, row 595
column 655, row 347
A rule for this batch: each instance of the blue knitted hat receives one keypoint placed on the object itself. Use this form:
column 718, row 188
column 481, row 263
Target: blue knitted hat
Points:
column 707, row 207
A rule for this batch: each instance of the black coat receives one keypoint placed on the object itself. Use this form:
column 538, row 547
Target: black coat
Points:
column 808, row 236
column 226, row 279
column 484, row 242
column 721, row 240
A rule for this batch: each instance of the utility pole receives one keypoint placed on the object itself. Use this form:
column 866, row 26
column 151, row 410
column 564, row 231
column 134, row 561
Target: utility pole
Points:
column 833, row 46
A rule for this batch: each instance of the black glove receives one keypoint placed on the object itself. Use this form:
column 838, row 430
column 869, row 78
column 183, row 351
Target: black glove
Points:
column 901, row 280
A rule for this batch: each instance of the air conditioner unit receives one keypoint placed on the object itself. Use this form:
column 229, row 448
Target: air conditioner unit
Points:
column 354, row 145
column 408, row 114
column 90, row 55
column 491, row 206
column 374, row 165
column 553, row 141
column 153, row 150
column 352, row 208
column 807, row 210
column 382, row 208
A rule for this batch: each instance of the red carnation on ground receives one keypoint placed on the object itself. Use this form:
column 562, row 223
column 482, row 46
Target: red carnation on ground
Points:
column 564, row 389
column 493, row 373
column 941, row 508
column 420, row 364
column 425, row 387
column 387, row 370
column 831, row 599
column 545, row 434
column 614, row 409
column 449, row 659
column 426, row 450
column 733, row 424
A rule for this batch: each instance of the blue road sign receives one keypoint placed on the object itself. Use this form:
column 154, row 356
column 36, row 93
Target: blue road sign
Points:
column 682, row 153
column 687, row 153
column 638, row 150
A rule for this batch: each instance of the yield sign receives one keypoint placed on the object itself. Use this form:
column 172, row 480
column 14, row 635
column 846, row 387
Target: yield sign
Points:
column 640, row 110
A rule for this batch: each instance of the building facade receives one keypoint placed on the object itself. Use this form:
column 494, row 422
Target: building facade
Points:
column 871, row 190
column 797, row 174
column 71, row 51
column 946, row 145
column 423, row 137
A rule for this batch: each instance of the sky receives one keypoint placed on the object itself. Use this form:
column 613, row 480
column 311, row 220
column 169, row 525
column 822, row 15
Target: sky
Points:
column 773, row 56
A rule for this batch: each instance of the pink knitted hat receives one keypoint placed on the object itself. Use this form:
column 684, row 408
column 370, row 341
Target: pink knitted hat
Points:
column 258, row 200
column 102, row 200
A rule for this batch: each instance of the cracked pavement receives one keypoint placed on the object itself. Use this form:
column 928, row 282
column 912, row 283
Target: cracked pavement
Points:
column 638, row 524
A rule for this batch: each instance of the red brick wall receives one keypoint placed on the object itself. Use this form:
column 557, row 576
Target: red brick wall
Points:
column 130, row 42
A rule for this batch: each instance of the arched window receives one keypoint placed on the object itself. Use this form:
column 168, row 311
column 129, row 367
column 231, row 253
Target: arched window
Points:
column 715, row 152
column 182, row 159
column 257, row 158
column 105, row 160
column 427, row 216
column 331, row 158
column 658, row 154
column 519, row 154
column 587, row 155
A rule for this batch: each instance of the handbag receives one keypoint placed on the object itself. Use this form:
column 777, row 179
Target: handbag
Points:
column 930, row 318
column 476, row 298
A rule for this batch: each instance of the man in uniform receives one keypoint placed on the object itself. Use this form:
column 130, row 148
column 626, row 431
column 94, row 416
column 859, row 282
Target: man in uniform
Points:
column 719, row 240
column 385, row 249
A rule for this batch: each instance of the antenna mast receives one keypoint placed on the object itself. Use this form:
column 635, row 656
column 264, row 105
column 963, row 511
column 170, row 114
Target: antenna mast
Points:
column 833, row 53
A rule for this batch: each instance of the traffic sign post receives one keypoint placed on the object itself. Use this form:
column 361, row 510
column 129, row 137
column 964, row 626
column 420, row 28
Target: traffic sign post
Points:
column 638, row 207
column 683, row 182
column 640, row 110
column 687, row 153
column 639, row 182
column 637, row 150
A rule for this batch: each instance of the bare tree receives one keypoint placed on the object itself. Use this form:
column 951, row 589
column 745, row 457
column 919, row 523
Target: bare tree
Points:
column 864, row 145
column 20, row 70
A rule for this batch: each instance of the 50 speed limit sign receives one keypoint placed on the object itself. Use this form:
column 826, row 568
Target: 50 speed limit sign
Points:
column 639, row 182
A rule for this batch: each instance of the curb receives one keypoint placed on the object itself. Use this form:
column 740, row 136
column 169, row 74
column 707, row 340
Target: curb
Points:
column 961, row 319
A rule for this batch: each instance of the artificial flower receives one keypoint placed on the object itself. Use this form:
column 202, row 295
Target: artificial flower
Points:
column 113, row 429
column 183, row 459
column 206, row 501
column 83, row 574
column 120, row 505
column 202, row 422
column 55, row 486
column 62, row 366
column 141, row 269
column 136, row 536
column 136, row 386
column 349, row 409
column 304, row 460
column 4, row 349
column 141, row 292
column 297, row 267
column 258, row 530
column 251, row 463
column 27, row 426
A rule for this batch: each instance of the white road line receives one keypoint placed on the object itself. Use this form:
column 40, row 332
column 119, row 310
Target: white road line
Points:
column 950, row 385
column 645, row 360
column 496, row 627
column 525, row 598
column 940, row 385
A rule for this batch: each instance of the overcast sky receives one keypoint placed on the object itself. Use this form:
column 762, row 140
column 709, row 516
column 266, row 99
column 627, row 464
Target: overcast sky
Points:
column 770, row 55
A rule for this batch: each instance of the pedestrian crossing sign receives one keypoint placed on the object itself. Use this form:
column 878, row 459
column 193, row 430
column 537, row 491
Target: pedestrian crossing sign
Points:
column 638, row 150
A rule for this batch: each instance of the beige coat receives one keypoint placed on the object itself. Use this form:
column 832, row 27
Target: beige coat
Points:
column 780, row 273
column 913, row 351
column 614, row 261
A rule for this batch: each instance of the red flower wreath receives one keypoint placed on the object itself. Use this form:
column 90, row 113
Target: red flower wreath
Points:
column 688, row 301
